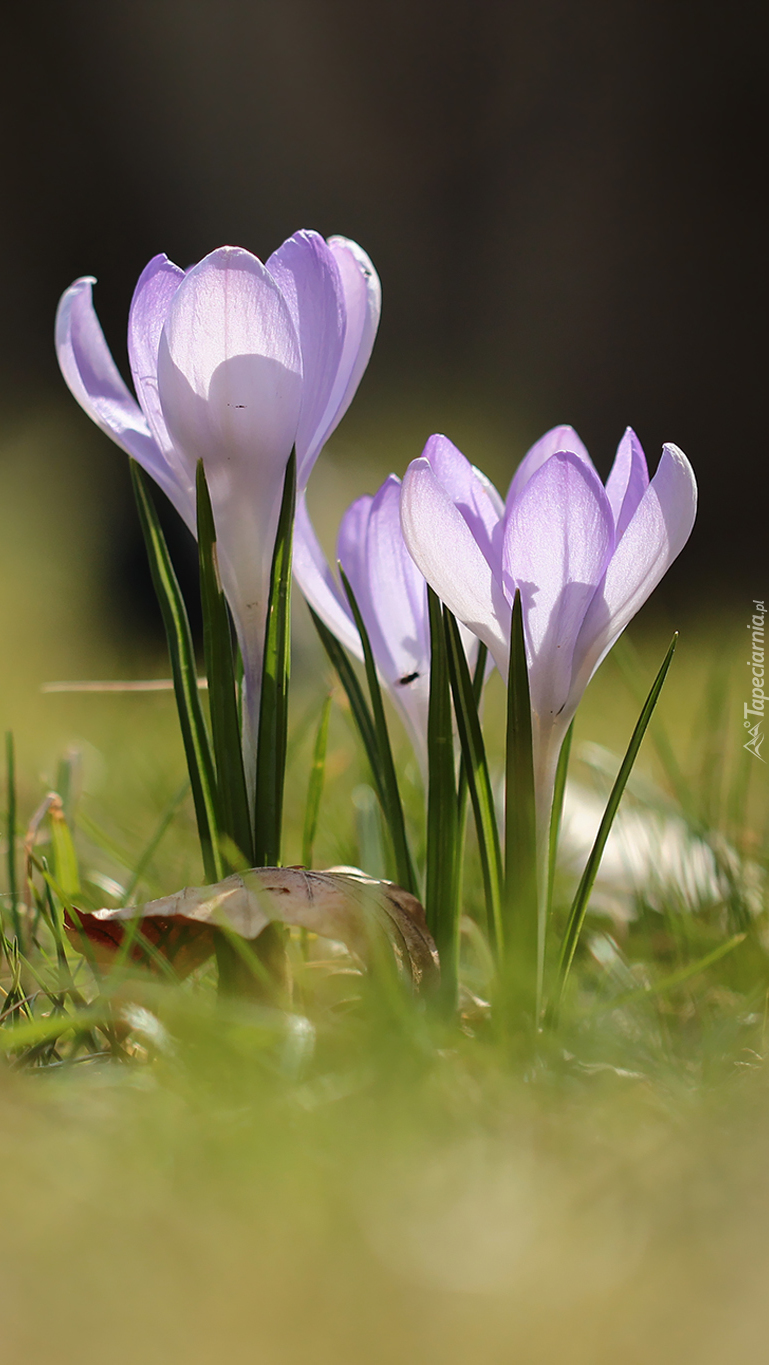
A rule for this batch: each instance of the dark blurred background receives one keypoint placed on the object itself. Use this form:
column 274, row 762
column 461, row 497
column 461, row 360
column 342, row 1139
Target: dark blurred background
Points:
column 564, row 201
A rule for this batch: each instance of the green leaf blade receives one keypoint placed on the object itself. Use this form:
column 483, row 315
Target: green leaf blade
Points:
column 234, row 813
column 442, row 873
column 272, row 740
column 524, row 930
column 582, row 897
column 384, row 764
column 315, row 785
column 466, row 693
column 197, row 745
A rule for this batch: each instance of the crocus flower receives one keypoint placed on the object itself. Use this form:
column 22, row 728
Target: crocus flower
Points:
column 233, row 362
column 390, row 592
column 391, row 595
column 584, row 557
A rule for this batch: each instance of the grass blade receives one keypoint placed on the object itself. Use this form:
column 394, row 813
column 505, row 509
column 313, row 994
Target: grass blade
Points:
column 151, row 848
column 629, row 664
column 669, row 983
column 234, row 813
column 441, row 881
column 10, row 769
column 65, row 864
column 384, row 765
column 524, row 933
column 466, row 693
column 582, row 897
column 276, row 669
column 315, row 786
column 360, row 708
column 556, row 816
column 197, row 746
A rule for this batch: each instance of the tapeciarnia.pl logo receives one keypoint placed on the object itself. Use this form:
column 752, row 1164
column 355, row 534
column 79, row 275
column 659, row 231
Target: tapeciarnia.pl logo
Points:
column 753, row 711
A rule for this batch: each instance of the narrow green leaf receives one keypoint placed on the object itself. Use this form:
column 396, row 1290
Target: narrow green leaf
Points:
column 55, row 921
column 463, row 792
column 556, row 816
column 582, row 897
column 315, row 786
column 10, row 769
column 65, row 865
column 49, row 1029
column 524, row 934
column 273, row 710
column 197, row 746
column 151, row 848
column 441, row 881
column 384, row 769
column 234, row 813
column 360, row 708
column 475, row 768
column 628, row 662
column 669, row 983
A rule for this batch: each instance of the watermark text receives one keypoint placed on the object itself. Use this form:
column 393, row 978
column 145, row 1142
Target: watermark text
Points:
column 753, row 710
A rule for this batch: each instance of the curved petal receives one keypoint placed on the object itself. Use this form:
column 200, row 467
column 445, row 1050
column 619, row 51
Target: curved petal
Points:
column 230, row 385
column 94, row 380
column 473, row 495
column 317, row 582
column 445, row 551
column 363, row 306
column 627, row 482
column 351, row 549
column 559, row 440
column 229, row 365
column 558, row 538
column 392, row 596
column 309, row 278
column 154, row 292
column 393, row 591
column 656, row 534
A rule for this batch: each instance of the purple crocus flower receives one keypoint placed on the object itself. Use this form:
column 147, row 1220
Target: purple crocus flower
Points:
column 391, row 594
column 584, row 557
column 233, row 362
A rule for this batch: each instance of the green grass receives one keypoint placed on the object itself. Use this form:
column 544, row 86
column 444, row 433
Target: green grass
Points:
column 368, row 1182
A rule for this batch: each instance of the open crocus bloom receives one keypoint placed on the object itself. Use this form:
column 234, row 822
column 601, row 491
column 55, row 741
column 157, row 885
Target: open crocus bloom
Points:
column 391, row 594
column 235, row 363
column 584, row 557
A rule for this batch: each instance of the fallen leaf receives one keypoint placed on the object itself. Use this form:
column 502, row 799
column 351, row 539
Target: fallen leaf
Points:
column 341, row 904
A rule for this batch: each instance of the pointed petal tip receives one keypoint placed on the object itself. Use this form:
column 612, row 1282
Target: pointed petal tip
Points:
column 228, row 258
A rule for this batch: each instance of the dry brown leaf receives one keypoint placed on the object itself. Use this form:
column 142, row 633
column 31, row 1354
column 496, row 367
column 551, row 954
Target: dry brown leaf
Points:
column 342, row 904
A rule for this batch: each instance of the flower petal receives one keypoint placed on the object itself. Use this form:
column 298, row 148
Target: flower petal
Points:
column 558, row 440
column 472, row 493
column 628, row 481
column 351, row 548
column 317, row 582
column 309, row 278
column 151, row 301
column 94, row 379
column 230, row 384
column 446, row 553
column 392, row 590
column 656, row 534
column 363, row 306
column 229, row 365
column 558, row 537
column 392, row 596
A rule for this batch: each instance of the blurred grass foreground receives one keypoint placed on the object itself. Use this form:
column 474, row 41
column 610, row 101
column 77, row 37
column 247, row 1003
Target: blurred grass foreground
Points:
column 359, row 1181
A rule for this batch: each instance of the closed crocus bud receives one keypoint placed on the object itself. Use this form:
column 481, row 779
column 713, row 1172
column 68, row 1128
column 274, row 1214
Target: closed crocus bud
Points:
column 390, row 592
column 234, row 363
column 584, row 557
